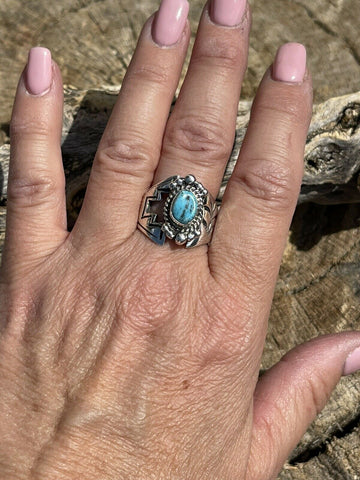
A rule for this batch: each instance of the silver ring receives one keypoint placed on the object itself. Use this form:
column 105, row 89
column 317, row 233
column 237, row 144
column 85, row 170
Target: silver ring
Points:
column 179, row 208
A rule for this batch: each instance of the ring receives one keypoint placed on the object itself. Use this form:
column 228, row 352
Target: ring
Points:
column 179, row 208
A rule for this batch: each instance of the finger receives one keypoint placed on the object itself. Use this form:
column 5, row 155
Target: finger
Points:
column 200, row 132
column 36, row 212
column 290, row 395
column 129, row 151
column 260, row 198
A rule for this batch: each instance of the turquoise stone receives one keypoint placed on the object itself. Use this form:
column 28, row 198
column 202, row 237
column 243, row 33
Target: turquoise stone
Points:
column 184, row 207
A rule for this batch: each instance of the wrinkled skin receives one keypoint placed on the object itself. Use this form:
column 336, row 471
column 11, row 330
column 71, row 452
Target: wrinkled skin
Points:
column 121, row 359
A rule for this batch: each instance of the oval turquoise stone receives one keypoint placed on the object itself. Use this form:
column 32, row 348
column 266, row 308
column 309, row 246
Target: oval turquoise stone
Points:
column 184, row 207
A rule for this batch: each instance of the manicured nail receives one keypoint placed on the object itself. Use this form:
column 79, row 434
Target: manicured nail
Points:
column 352, row 363
column 227, row 12
column 38, row 71
column 290, row 63
column 170, row 22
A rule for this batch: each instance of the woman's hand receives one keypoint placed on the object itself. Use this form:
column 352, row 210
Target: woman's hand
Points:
column 122, row 359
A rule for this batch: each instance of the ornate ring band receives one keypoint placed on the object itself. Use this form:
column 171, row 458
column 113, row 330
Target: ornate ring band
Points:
column 179, row 208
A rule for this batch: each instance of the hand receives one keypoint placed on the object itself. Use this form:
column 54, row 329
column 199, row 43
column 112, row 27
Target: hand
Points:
column 122, row 359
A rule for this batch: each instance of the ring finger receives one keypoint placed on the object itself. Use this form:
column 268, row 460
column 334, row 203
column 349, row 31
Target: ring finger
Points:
column 200, row 132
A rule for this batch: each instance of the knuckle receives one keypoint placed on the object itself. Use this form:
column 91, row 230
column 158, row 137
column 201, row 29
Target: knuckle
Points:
column 201, row 136
column 319, row 392
column 218, row 53
column 290, row 110
column 273, row 183
column 124, row 158
column 315, row 389
column 32, row 191
column 150, row 74
column 152, row 299
column 35, row 127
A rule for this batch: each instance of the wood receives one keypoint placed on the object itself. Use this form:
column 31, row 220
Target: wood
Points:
column 318, row 290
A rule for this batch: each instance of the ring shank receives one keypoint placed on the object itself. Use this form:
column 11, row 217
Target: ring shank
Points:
column 153, row 219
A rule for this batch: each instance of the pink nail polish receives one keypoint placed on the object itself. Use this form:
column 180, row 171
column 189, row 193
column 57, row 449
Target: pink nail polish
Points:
column 352, row 363
column 170, row 22
column 227, row 12
column 290, row 63
column 39, row 71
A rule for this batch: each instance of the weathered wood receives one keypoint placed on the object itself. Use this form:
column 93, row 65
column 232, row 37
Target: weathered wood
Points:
column 336, row 460
column 318, row 290
column 332, row 155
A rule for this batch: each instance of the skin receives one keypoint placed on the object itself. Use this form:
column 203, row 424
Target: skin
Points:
column 121, row 359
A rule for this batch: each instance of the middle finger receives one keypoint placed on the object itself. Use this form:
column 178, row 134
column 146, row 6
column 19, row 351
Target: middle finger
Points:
column 200, row 132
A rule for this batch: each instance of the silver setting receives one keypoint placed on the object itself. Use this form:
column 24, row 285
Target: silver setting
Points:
column 173, row 229
column 157, row 222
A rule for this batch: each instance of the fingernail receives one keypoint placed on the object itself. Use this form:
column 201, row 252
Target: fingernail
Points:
column 227, row 12
column 170, row 22
column 352, row 363
column 290, row 63
column 38, row 71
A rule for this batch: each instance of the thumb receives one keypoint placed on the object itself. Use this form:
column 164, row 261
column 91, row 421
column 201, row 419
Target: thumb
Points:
column 289, row 396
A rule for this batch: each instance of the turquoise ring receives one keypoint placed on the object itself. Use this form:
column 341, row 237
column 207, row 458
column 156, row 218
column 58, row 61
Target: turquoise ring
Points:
column 180, row 209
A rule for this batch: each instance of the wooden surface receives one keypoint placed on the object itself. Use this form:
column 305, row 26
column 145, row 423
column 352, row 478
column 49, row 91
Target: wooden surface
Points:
column 318, row 290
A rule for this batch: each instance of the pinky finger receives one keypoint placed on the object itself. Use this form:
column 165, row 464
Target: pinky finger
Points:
column 36, row 213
